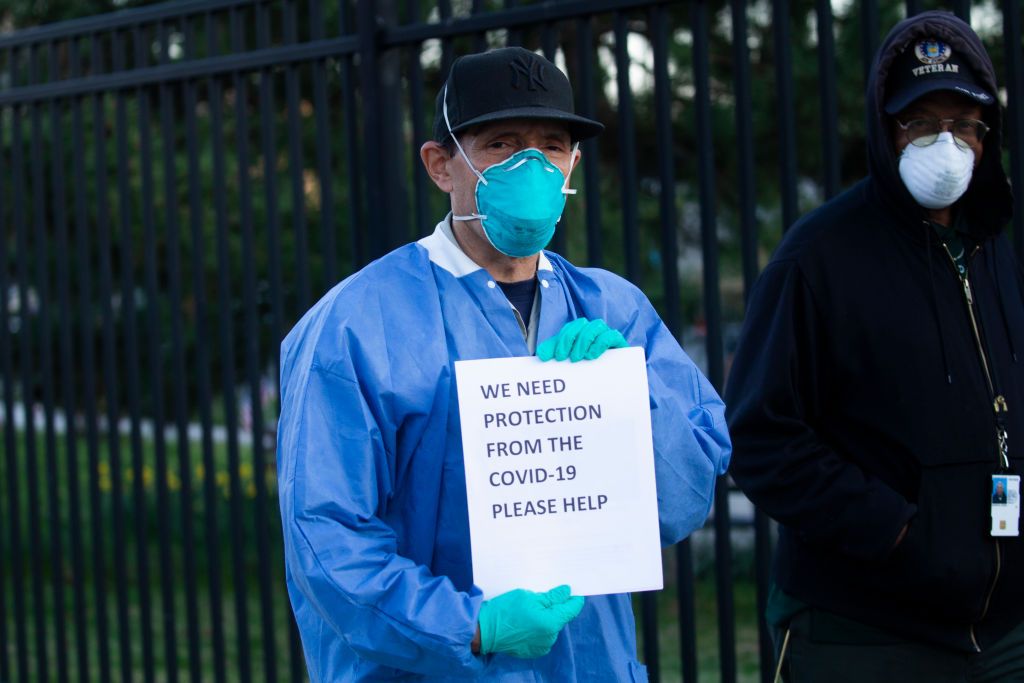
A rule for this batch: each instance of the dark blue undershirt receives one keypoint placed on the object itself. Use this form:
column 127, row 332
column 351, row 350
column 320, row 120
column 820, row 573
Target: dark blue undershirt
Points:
column 520, row 295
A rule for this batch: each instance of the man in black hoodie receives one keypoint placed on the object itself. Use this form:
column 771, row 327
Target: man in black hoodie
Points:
column 877, row 390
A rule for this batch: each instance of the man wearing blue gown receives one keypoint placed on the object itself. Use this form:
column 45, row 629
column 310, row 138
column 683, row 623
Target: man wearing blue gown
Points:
column 372, row 487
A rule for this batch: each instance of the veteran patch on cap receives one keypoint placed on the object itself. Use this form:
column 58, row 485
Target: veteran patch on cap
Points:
column 928, row 65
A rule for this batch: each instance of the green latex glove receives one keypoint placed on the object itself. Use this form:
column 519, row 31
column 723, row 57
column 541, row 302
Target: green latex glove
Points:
column 581, row 339
column 526, row 624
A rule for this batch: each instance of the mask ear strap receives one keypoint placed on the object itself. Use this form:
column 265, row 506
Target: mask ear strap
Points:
column 444, row 109
column 572, row 165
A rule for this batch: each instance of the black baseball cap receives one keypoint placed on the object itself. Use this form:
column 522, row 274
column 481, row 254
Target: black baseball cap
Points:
column 930, row 64
column 507, row 83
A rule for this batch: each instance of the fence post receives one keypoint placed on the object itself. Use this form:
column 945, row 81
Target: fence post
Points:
column 380, row 81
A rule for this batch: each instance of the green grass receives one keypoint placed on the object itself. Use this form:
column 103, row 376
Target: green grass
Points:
column 145, row 534
column 668, row 635
column 231, row 631
column 706, row 618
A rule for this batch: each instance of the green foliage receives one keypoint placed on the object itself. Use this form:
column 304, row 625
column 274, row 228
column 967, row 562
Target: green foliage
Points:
column 233, row 271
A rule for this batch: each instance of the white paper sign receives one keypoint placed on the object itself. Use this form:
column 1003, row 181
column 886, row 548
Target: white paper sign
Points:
column 560, row 474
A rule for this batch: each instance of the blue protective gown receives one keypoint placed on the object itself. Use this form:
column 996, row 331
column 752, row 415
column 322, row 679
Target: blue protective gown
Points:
column 372, row 489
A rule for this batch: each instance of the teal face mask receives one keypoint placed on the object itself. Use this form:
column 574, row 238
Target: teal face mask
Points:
column 519, row 201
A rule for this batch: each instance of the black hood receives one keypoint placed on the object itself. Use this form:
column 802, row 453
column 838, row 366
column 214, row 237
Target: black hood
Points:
column 987, row 203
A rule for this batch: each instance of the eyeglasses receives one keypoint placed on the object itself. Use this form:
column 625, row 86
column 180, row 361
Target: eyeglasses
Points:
column 923, row 132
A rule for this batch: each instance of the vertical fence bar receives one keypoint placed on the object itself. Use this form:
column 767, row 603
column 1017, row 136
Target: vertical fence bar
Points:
column 549, row 44
column 41, row 226
column 227, row 348
column 687, row 621
column 787, row 124
column 627, row 150
column 370, row 85
column 132, row 365
column 713, row 317
column 549, row 40
column 352, row 161
column 13, row 494
column 324, row 173
column 424, row 224
column 251, row 349
column 658, row 23
column 962, row 8
column 744, row 143
column 156, row 338
column 827, row 93
column 8, row 429
column 329, row 249
column 869, row 25
column 1015, row 116
column 631, row 242
column 379, row 80
column 588, row 108
column 479, row 39
column 7, row 549
column 173, row 232
column 67, row 372
column 444, row 8
column 88, row 361
column 762, row 576
column 296, row 166
column 156, row 344
column 127, row 224
column 515, row 35
column 267, row 120
column 914, row 7
column 751, row 268
column 110, row 380
column 196, row 223
column 26, row 296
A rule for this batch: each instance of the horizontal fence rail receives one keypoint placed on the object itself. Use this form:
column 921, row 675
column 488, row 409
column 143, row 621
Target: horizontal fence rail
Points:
column 183, row 180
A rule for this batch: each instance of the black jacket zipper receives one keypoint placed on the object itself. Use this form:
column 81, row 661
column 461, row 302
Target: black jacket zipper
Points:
column 998, row 406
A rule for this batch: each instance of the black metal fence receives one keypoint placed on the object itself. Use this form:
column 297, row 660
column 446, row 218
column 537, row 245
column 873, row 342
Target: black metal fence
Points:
column 181, row 181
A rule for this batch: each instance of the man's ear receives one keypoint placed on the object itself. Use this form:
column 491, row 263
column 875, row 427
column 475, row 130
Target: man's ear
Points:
column 435, row 159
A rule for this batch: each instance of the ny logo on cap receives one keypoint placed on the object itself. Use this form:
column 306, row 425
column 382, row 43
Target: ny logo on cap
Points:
column 531, row 71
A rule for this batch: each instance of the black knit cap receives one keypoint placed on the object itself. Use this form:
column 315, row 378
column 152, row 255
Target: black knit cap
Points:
column 928, row 65
column 508, row 83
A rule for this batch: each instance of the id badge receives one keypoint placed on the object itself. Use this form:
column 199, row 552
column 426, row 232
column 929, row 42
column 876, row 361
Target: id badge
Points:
column 1005, row 505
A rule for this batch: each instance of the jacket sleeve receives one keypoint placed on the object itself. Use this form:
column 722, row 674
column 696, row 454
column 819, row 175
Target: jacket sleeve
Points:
column 775, row 395
column 335, row 460
column 691, row 441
